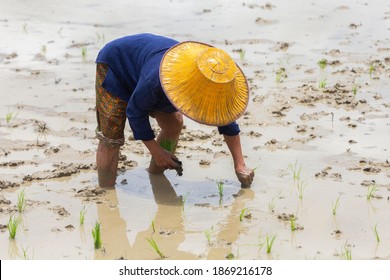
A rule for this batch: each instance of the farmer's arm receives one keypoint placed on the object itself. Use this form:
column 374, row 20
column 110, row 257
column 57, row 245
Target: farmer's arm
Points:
column 232, row 138
column 140, row 104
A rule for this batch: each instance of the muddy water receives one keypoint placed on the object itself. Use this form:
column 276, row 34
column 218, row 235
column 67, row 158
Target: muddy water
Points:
column 337, row 139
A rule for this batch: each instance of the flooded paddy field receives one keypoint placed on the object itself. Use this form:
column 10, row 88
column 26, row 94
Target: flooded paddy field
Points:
column 317, row 130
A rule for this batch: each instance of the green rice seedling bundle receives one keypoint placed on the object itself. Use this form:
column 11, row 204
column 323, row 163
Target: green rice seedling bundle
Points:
column 168, row 145
column 21, row 204
column 13, row 225
column 244, row 213
column 322, row 83
column 220, row 186
column 322, row 63
column 96, row 234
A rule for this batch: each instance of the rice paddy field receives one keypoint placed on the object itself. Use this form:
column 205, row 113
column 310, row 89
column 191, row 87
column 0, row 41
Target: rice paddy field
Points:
column 316, row 130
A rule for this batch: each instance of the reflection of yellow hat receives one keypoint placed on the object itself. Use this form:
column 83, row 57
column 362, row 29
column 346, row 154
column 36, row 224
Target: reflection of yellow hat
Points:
column 204, row 83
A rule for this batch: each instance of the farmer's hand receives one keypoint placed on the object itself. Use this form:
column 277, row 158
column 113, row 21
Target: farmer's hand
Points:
column 162, row 160
column 245, row 176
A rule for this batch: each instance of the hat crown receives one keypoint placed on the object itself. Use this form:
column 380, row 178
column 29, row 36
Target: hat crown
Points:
column 204, row 83
column 216, row 65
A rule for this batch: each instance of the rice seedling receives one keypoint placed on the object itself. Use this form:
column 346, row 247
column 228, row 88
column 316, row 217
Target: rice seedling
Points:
column 293, row 223
column 155, row 247
column 84, row 52
column 322, row 83
column 346, row 251
column 269, row 241
column 230, row 256
column 153, row 226
column 208, row 234
column 220, row 186
column 335, row 205
column 13, row 225
column 375, row 230
column 301, row 186
column 21, row 204
column 242, row 54
column 372, row 69
column 244, row 213
column 372, row 189
column 322, row 63
column 82, row 215
column 296, row 170
column 25, row 254
column 272, row 203
column 96, row 234
column 168, row 144
column 43, row 49
column 281, row 74
column 11, row 115
column 355, row 87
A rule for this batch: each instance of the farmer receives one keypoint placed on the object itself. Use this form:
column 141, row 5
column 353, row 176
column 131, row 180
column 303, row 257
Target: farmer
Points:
column 145, row 75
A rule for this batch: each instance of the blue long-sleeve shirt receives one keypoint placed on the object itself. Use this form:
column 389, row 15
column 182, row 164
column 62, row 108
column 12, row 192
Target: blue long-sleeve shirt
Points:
column 133, row 76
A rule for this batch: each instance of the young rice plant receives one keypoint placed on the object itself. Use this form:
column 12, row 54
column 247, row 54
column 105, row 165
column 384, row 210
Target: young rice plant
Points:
column 220, row 186
column 155, row 247
column 13, row 225
column 208, row 234
column 335, row 205
column 372, row 189
column 96, row 234
column 269, row 242
column 245, row 213
column 82, row 215
column 296, row 170
column 21, row 205
column 375, row 230
column 322, row 63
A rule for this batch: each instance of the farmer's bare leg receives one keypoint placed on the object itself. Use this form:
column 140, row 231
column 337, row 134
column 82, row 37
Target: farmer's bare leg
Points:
column 107, row 165
column 171, row 125
column 111, row 119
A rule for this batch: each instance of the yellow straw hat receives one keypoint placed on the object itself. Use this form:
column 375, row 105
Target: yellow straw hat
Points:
column 204, row 83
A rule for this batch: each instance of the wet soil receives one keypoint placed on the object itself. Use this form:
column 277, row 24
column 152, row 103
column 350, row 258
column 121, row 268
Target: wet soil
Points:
column 317, row 134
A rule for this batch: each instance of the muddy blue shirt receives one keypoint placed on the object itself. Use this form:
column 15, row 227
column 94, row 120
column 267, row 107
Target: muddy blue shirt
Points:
column 133, row 76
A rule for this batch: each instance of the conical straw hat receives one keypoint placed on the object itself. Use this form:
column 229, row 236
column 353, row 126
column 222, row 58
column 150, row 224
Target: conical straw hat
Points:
column 204, row 83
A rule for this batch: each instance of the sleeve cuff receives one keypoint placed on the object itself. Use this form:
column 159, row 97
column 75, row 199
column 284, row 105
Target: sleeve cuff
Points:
column 230, row 129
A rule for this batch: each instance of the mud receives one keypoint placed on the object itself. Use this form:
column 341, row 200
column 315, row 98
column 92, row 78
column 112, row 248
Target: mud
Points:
column 330, row 126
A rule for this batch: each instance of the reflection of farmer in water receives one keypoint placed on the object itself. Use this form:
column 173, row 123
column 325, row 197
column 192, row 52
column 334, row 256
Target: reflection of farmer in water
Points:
column 168, row 219
column 168, row 216
column 147, row 75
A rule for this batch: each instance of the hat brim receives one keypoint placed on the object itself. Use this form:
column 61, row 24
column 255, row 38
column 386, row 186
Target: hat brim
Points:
column 197, row 97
